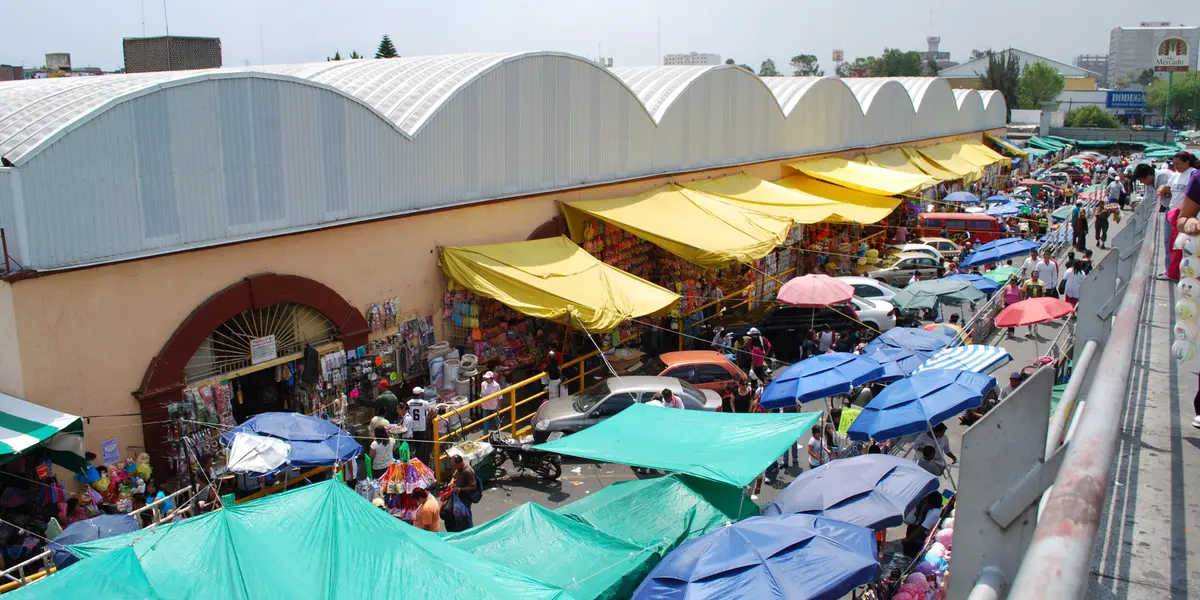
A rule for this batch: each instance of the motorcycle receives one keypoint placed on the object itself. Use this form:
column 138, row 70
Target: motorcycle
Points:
column 524, row 457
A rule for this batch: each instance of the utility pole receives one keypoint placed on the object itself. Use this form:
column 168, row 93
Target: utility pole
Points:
column 659, row 40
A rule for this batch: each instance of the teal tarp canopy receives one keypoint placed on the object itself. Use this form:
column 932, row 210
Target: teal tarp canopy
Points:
column 586, row 562
column 113, row 575
column 724, row 447
column 321, row 541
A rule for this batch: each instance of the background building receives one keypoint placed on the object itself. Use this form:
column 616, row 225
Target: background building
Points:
column 58, row 61
column 966, row 75
column 941, row 58
column 11, row 73
column 691, row 59
column 1096, row 63
column 171, row 53
column 1131, row 49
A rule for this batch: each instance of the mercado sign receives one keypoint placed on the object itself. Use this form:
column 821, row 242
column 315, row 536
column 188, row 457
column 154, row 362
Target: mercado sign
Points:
column 1172, row 55
column 1125, row 99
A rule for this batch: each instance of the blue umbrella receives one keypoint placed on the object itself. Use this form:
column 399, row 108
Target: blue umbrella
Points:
column 767, row 558
column 88, row 530
column 820, row 377
column 998, row 198
column 963, row 197
column 312, row 442
column 998, row 250
column 872, row 490
column 1007, row 209
column 898, row 362
column 909, row 338
column 976, row 358
column 919, row 401
column 981, row 283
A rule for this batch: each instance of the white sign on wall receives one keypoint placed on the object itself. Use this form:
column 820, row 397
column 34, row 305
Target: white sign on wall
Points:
column 1172, row 54
column 263, row 349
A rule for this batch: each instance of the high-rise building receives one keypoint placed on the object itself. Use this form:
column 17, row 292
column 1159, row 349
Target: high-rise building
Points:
column 691, row 59
column 1096, row 63
column 1131, row 50
column 171, row 53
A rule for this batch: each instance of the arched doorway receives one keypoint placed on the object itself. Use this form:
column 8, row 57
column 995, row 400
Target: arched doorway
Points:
column 268, row 294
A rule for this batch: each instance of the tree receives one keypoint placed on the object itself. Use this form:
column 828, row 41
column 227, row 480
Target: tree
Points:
column 806, row 65
column 1003, row 74
column 336, row 56
column 746, row 67
column 1039, row 83
column 932, row 68
column 768, row 69
column 1185, row 99
column 896, row 63
column 978, row 54
column 386, row 48
column 1145, row 78
column 729, row 61
column 354, row 54
column 859, row 67
column 1090, row 116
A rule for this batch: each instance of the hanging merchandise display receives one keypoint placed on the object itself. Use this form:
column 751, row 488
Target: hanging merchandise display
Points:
column 383, row 316
column 492, row 332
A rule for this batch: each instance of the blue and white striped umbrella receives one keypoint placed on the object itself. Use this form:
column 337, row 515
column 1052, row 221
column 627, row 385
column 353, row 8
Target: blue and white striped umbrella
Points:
column 975, row 357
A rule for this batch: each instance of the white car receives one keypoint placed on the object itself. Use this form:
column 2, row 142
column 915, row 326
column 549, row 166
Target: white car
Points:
column 922, row 248
column 877, row 315
column 866, row 288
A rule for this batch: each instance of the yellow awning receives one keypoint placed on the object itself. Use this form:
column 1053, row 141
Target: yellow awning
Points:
column 897, row 159
column 555, row 279
column 930, row 167
column 978, row 154
column 1011, row 149
column 947, row 157
column 861, row 177
column 755, row 194
column 699, row 227
column 854, row 206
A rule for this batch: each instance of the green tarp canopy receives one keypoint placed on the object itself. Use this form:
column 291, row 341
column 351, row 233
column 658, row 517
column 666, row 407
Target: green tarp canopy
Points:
column 321, row 541
column 723, row 447
column 584, row 561
column 25, row 425
column 1045, row 144
column 114, row 575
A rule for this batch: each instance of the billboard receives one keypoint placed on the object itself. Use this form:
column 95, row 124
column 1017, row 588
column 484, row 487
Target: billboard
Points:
column 839, row 55
column 1172, row 55
column 1125, row 99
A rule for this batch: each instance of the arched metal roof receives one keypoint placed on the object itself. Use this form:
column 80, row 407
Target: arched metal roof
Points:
column 789, row 90
column 658, row 87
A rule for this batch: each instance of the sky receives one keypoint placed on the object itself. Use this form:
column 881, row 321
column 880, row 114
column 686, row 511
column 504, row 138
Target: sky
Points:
column 292, row 31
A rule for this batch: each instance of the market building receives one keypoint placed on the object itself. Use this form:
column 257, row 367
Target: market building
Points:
column 200, row 235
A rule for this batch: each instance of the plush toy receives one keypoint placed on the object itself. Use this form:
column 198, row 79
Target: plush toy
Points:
column 945, row 537
column 1188, row 287
column 144, row 470
column 1190, row 266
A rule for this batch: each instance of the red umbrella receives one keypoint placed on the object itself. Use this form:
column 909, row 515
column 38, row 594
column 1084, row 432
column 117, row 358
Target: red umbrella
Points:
column 815, row 290
column 1033, row 310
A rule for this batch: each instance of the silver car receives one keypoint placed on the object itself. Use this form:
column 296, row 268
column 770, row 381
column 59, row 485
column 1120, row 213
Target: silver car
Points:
column 609, row 397
column 905, row 265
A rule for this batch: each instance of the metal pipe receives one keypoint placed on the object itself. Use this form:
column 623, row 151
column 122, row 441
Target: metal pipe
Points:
column 1058, row 422
column 991, row 585
column 1057, row 563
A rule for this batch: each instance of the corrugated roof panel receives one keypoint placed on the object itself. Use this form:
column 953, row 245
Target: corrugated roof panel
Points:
column 658, row 87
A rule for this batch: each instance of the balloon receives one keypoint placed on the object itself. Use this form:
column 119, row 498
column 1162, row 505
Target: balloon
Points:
column 1186, row 309
column 926, row 568
column 904, row 596
column 937, row 549
column 1190, row 244
column 948, row 524
column 1190, row 266
column 1188, row 288
column 1183, row 351
column 945, row 537
column 1186, row 331
column 918, row 580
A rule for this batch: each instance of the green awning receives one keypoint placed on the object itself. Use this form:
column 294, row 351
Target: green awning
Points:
column 24, row 425
column 724, row 447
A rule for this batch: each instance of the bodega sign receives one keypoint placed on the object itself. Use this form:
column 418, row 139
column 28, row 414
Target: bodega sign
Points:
column 1173, row 54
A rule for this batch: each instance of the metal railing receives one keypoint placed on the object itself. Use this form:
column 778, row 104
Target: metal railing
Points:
column 153, row 507
column 44, row 563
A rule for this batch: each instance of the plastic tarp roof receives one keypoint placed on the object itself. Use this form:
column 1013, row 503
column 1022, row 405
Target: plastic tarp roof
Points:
column 557, row 280
column 584, row 561
column 862, row 177
column 837, row 204
column 979, row 154
column 24, row 425
column 947, row 156
column 898, row 159
column 723, row 447
column 857, row 207
column 117, row 574
column 699, row 227
column 661, row 512
column 320, row 541
column 1008, row 146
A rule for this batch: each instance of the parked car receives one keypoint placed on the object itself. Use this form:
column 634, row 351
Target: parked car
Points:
column 594, row 404
column 705, row 369
column 786, row 327
column 1058, row 179
column 949, row 249
column 870, row 289
column 877, row 315
column 921, row 248
column 907, row 264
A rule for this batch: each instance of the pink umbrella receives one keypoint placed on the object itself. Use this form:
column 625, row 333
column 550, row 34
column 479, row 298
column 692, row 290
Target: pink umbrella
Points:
column 815, row 290
column 1033, row 310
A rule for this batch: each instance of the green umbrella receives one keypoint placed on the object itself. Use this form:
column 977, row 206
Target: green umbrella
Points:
column 927, row 294
column 1063, row 213
column 1002, row 274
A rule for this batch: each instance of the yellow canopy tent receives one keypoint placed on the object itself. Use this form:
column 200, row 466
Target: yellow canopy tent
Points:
column 1011, row 149
column 555, row 279
column 947, row 157
column 855, row 206
column 862, row 177
column 930, row 167
column 755, row 194
column 897, row 159
column 979, row 155
column 699, row 227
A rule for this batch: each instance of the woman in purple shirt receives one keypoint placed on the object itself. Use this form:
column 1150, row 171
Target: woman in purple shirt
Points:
column 1190, row 225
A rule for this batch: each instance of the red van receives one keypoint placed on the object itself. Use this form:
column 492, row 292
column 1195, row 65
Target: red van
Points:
column 984, row 228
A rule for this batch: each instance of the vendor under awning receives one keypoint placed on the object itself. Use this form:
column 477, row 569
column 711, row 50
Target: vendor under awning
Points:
column 555, row 279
